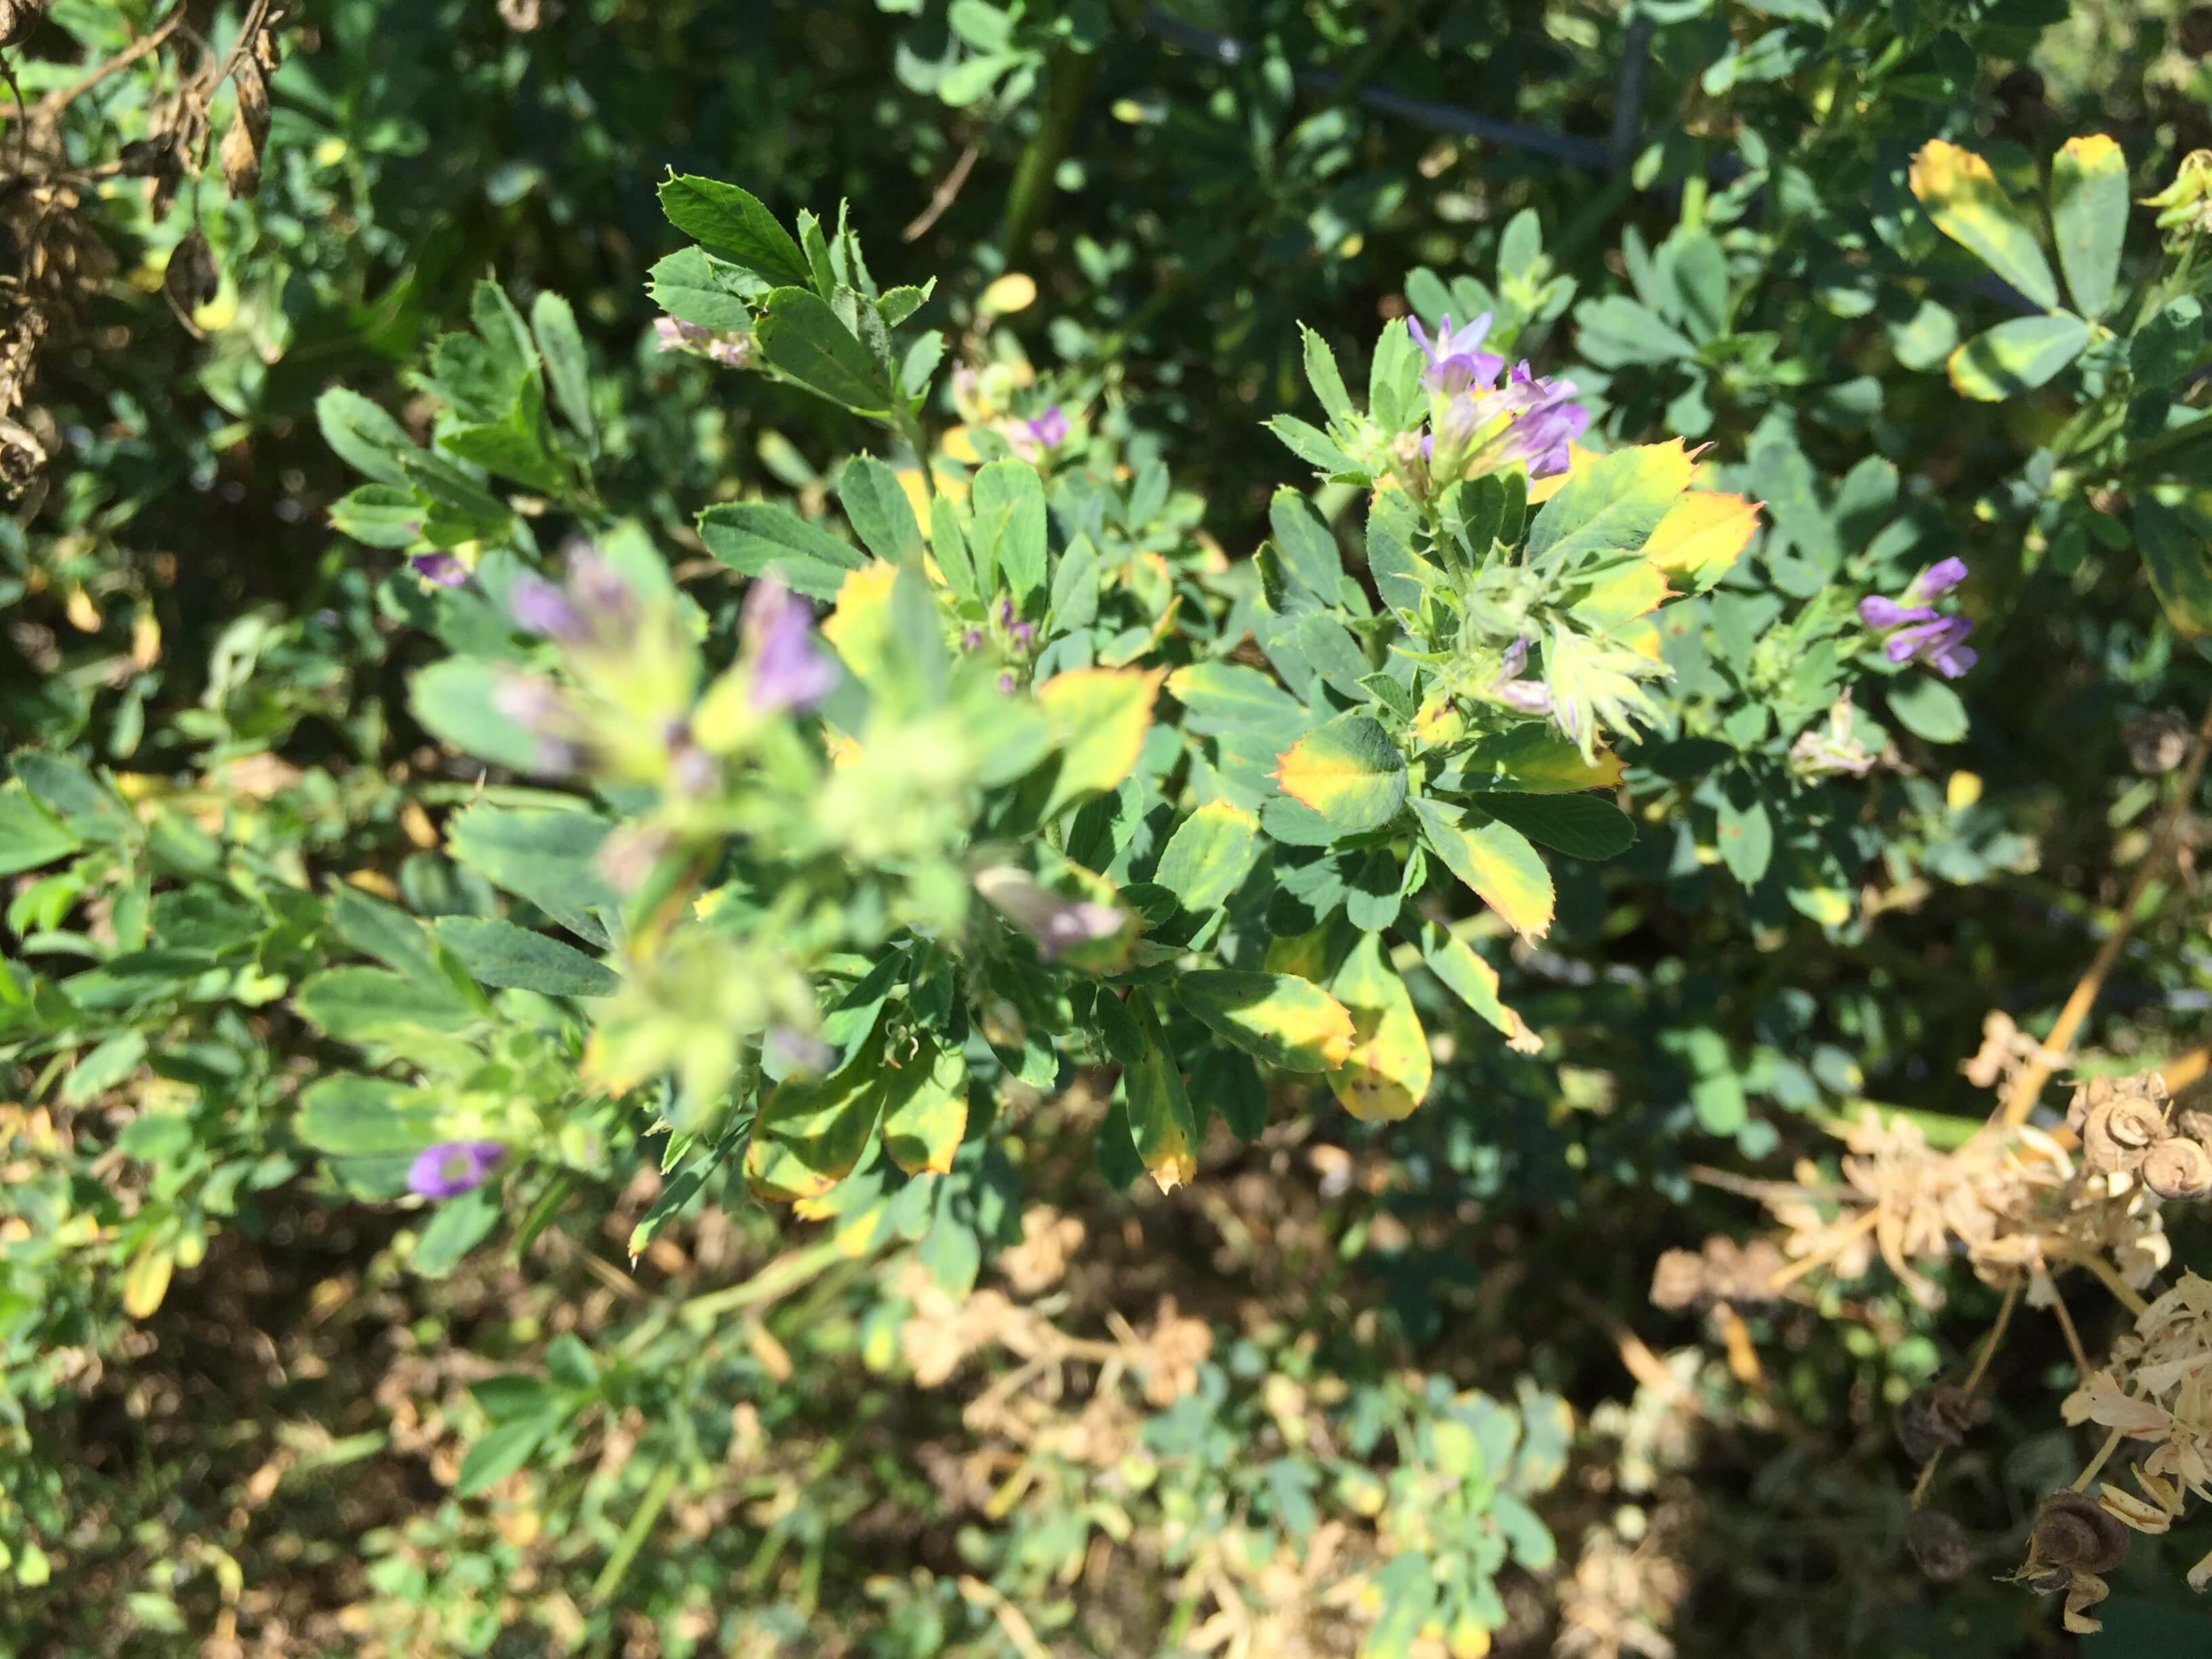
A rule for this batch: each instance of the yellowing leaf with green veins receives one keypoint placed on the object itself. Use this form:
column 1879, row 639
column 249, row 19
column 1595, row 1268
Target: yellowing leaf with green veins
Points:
column 1962, row 196
column 1615, row 502
column 1475, row 982
column 1100, row 716
column 2089, row 215
column 1161, row 1123
column 1497, row 861
column 1284, row 1019
column 1209, row 855
column 1535, row 759
column 1347, row 770
column 926, row 1109
column 812, row 1131
column 1388, row 1073
column 859, row 625
column 1702, row 536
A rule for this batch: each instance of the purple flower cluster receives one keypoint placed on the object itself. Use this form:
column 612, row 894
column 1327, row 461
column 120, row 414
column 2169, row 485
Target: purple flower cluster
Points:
column 1911, row 629
column 790, row 669
column 1529, row 697
column 454, row 1167
column 440, row 569
column 1478, row 425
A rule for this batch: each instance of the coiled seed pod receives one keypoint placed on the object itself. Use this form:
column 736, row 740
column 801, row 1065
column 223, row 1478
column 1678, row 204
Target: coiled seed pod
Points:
column 2178, row 1168
column 1935, row 1418
column 1938, row 1545
column 2119, row 1132
column 2197, row 1126
column 2074, row 1531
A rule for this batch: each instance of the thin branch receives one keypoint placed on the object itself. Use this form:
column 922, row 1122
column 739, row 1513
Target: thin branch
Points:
column 943, row 196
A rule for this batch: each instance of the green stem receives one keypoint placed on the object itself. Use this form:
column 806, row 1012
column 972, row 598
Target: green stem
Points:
column 634, row 1535
column 1068, row 76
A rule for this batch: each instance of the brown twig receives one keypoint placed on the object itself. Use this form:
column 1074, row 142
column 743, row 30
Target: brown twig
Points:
column 943, row 196
column 1973, row 1381
column 60, row 99
column 2028, row 1087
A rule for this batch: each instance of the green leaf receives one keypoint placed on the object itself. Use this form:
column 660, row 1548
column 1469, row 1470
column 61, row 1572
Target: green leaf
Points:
column 110, row 1062
column 1497, row 861
column 1222, row 699
column 1406, row 1592
column 1929, row 708
column 1470, row 978
column 1008, row 501
column 1322, row 374
column 926, row 1109
column 1209, row 855
column 1611, row 504
column 2089, row 212
column 1312, row 446
column 1615, row 331
column 1288, row 1022
column 1231, row 1085
column 2017, row 356
column 348, row 1115
column 732, row 224
column 379, row 514
column 550, row 857
column 881, row 514
column 1582, row 826
column 500, row 1452
column 2175, row 554
column 1162, row 1125
column 755, row 539
column 800, row 335
column 2169, row 344
column 567, row 367
column 384, row 931
column 1308, row 547
column 29, row 836
column 457, row 699
column 360, row 1004
column 686, row 286
column 812, row 1131
column 500, row 953
column 363, row 436
column 1349, row 771
column 456, row 1227
column 1746, row 835
column 1961, row 195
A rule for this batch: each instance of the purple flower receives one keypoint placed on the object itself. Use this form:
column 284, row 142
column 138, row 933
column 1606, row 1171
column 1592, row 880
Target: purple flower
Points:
column 673, row 334
column 454, row 1167
column 1477, row 427
column 729, row 347
column 441, row 569
column 797, row 1052
column 1050, row 428
column 1912, row 631
column 1529, row 697
column 790, row 669
column 541, row 608
column 972, row 639
column 537, row 705
column 1023, row 637
column 1941, row 644
column 1455, row 364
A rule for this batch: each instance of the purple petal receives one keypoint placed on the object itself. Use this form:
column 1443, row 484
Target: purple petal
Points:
column 541, row 608
column 441, row 569
column 1875, row 612
column 454, row 1167
column 790, row 669
column 1937, row 581
column 1050, row 428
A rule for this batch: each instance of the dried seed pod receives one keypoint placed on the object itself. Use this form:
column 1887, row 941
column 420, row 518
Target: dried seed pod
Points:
column 2119, row 1133
column 248, row 133
column 2158, row 743
column 2197, row 1126
column 2178, row 1168
column 1935, row 1418
column 2074, row 1531
column 192, row 276
column 1938, row 1545
column 2087, row 1097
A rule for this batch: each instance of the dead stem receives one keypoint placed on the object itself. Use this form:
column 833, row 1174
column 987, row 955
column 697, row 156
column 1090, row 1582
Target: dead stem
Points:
column 1973, row 1381
column 2123, row 1292
column 1866, row 1223
column 2028, row 1086
column 2103, row 1452
column 2073, row 1336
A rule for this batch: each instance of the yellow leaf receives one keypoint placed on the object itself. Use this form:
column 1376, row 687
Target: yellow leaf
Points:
column 1388, row 1073
column 927, row 1113
column 1703, row 535
column 1348, row 769
column 1497, row 861
column 1542, row 489
column 860, row 624
column 1634, row 590
column 1013, row 292
column 147, row 1280
column 1100, row 716
column 1962, row 196
column 1160, row 1119
column 1962, row 790
column 1283, row 1018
